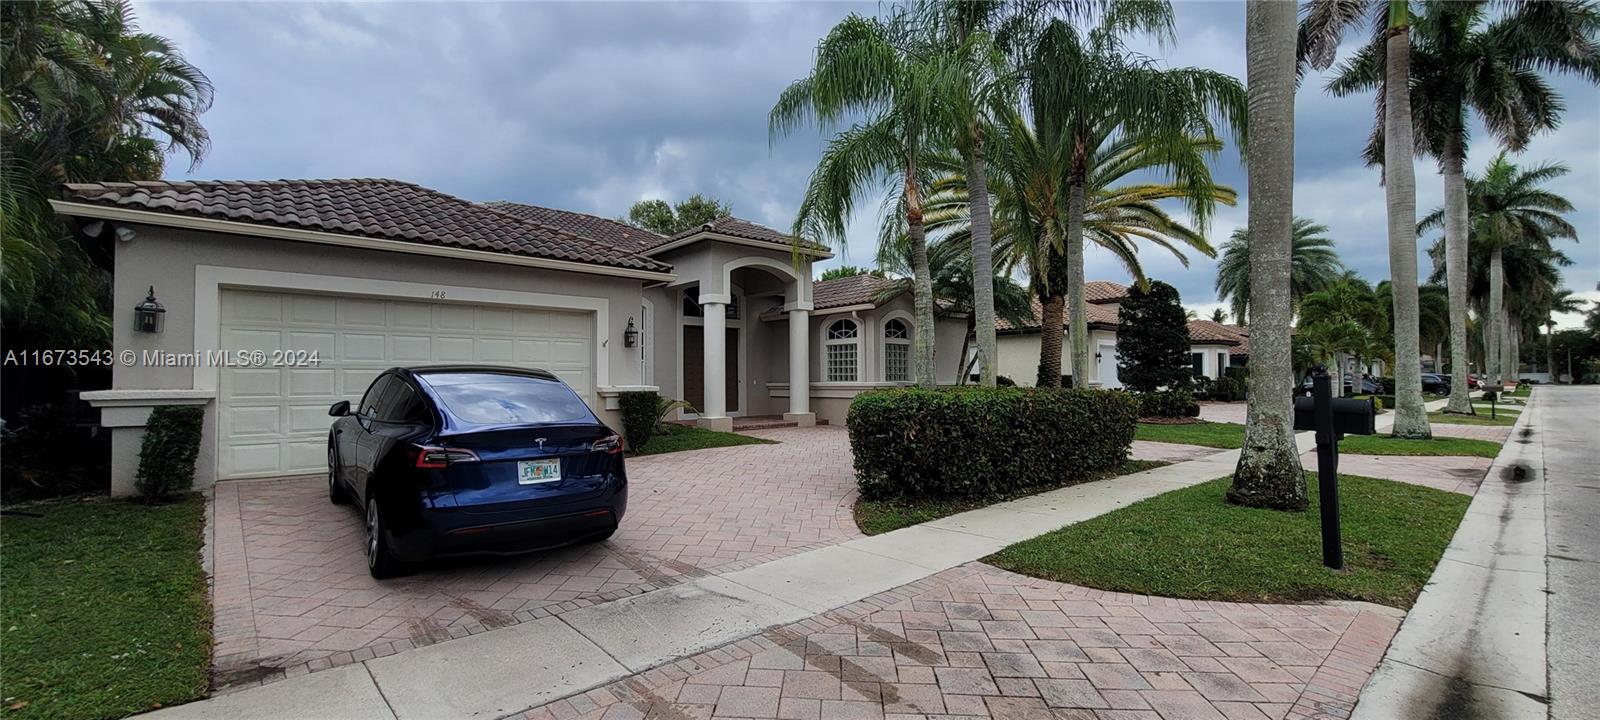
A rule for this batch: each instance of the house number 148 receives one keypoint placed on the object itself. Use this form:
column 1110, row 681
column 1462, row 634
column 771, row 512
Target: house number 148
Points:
column 436, row 294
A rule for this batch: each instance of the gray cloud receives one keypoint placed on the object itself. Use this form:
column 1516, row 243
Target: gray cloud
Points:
column 591, row 106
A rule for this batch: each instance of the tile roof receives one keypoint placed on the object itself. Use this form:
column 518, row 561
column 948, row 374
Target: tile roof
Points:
column 1207, row 332
column 846, row 291
column 740, row 228
column 384, row 209
column 1098, row 315
column 616, row 232
column 1104, row 291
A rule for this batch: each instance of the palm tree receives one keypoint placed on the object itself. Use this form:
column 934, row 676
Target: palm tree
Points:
column 1560, row 300
column 953, row 292
column 1508, row 208
column 1085, row 86
column 1388, row 67
column 84, row 96
column 1218, row 315
column 885, row 71
column 1466, row 58
column 1028, row 223
column 1314, row 265
column 1349, row 301
column 1269, row 474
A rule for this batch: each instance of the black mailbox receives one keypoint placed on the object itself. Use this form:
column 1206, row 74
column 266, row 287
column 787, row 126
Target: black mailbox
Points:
column 1350, row 416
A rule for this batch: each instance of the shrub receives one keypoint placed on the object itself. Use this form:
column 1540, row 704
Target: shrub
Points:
column 1385, row 385
column 643, row 411
column 639, row 416
column 1377, row 401
column 1205, row 388
column 166, row 457
column 1166, row 404
column 1153, row 339
column 1003, row 381
column 1228, row 389
column 980, row 442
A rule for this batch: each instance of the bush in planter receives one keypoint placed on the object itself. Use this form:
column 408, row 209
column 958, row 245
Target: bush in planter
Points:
column 166, row 456
column 979, row 442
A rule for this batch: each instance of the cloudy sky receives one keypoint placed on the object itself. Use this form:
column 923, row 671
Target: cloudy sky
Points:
column 592, row 106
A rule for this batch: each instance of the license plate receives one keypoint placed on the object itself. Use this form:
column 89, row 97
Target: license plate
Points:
column 533, row 472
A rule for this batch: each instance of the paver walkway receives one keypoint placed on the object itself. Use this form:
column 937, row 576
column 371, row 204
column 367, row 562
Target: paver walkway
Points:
column 293, row 594
column 1453, row 473
column 979, row 642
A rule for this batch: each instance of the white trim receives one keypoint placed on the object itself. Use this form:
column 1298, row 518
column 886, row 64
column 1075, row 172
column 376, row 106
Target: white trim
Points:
column 722, row 298
column 797, row 305
column 211, row 280
column 734, row 240
column 610, row 394
column 883, row 344
column 647, row 339
column 132, row 407
column 844, row 309
column 802, row 290
column 147, row 217
column 824, row 343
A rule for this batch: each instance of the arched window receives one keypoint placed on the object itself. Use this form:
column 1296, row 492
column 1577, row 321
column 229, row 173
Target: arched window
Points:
column 896, row 351
column 842, row 351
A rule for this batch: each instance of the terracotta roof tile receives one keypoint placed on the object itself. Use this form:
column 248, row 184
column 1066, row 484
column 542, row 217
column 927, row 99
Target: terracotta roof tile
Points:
column 1206, row 332
column 386, row 209
column 1098, row 315
column 740, row 228
column 846, row 291
column 1104, row 291
column 617, row 233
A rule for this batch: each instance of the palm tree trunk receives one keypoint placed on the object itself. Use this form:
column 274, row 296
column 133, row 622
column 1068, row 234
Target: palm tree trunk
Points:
column 1496, row 333
column 1269, row 473
column 1399, row 183
column 1455, row 272
column 965, row 367
column 982, row 259
column 922, row 282
column 1077, row 313
column 1550, row 351
column 1050, row 322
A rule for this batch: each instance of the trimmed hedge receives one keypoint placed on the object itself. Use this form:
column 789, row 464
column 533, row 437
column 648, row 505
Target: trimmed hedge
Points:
column 1166, row 404
column 640, row 415
column 980, row 442
column 166, row 455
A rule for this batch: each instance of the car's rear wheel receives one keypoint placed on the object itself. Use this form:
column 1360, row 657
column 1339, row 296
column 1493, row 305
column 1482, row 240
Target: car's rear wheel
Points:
column 335, row 493
column 380, row 561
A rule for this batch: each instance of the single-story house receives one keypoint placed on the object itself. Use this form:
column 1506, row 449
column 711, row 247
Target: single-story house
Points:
column 278, row 298
column 1214, row 346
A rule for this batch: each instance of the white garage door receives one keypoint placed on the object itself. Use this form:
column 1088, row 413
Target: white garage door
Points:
column 274, row 421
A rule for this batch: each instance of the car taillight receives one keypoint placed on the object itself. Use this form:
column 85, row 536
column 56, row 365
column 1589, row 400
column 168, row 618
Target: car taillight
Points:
column 612, row 444
column 438, row 458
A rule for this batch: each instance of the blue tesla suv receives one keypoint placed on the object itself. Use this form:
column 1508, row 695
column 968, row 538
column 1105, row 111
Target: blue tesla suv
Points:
column 458, row 460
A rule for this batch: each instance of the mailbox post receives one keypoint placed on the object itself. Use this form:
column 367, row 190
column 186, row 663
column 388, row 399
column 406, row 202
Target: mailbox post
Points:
column 1331, row 419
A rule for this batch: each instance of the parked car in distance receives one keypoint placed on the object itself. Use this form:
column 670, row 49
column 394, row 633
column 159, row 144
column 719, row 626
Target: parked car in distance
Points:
column 457, row 460
column 1368, row 386
column 1472, row 381
column 1436, row 383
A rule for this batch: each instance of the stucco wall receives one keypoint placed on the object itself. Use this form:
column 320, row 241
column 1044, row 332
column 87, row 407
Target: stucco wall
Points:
column 1019, row 356
column 167, row 258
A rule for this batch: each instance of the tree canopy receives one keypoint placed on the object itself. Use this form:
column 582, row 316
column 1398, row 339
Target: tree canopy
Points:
column 662, row 218
column 1153, row 339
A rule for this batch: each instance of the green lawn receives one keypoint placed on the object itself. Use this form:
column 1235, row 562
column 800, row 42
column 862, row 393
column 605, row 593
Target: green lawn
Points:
column 1385, row 445
column 674, row 437
column 1227, row 436
column 1191, row 543
column 104, row 608
column 881, row 516
column 1501, row 419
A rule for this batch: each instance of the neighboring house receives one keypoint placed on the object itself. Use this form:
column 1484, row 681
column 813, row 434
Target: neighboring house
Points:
column 1214, row 346
column 371, row 274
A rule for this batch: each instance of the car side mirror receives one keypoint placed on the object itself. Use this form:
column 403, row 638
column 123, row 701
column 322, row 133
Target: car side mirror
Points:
column 340, row 409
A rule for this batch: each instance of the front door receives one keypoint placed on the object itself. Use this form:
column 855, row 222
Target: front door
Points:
column 694, row 367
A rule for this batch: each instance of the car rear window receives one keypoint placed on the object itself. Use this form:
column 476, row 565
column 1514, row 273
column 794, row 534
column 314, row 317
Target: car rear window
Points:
column 500, row 399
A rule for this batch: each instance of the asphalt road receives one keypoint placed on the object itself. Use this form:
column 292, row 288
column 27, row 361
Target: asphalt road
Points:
column 1569, row 436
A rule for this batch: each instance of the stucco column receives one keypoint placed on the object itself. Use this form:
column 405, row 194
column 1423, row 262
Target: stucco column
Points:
column 715, row 414
column 800, row 369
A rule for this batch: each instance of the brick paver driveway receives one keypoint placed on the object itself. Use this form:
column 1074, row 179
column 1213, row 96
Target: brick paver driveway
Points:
column 292, row 593
column 979, row 642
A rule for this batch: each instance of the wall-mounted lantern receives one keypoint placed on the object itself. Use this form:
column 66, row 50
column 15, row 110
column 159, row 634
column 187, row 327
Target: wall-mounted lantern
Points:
column 630, row 335
column 149, row 316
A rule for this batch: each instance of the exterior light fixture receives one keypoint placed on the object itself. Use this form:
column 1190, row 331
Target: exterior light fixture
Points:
column 630, row 335
column 149, row 316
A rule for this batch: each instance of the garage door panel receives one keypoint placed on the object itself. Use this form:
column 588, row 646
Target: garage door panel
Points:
column 359, row 347
column 313, row 309
column 411, row 348
column 411, row 315
column 245, row 383
column 274, row 421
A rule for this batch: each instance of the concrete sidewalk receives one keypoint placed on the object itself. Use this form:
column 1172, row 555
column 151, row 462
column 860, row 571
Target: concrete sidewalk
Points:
column 1473, row 645
column 511, row 669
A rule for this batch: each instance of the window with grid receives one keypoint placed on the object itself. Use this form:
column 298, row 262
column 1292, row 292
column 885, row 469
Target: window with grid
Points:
column 842, row 350
column 896, row 351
